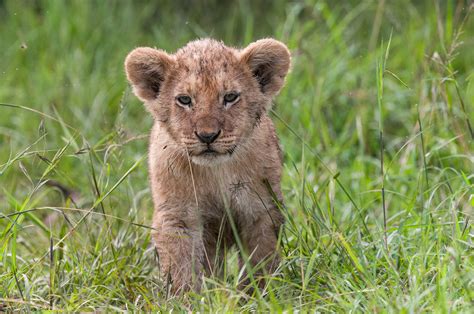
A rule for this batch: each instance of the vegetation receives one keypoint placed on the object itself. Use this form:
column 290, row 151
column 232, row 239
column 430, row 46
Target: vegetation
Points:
column 376, row 122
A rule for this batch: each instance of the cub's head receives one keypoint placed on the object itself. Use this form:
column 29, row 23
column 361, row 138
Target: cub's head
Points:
column 207, row 96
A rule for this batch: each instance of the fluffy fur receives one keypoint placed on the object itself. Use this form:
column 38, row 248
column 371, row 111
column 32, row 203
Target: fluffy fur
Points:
column 200, row 189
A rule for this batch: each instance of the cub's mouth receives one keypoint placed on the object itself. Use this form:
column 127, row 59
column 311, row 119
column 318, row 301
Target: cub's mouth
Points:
column 212, row 151
column 208, row 151
column 211, row 156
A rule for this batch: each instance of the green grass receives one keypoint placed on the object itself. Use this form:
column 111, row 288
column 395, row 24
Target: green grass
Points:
column 370, row 80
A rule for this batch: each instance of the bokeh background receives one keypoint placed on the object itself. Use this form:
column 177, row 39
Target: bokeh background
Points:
column 369, row 79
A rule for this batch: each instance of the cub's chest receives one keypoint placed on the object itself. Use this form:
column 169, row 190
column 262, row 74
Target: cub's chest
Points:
column 222, row 189
column 225, row 183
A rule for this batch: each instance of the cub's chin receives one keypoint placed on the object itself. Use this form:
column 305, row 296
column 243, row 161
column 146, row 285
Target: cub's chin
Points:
column 211, row 159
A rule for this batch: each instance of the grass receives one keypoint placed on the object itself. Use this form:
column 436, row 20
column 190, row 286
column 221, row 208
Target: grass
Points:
column 376, row 123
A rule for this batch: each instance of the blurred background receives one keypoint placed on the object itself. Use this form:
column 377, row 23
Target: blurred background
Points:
column 73, row 143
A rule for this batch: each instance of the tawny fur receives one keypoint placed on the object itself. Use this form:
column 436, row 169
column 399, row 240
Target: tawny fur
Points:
column 198, row 196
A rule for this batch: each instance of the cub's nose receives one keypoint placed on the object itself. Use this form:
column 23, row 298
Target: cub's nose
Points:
column 207, row 138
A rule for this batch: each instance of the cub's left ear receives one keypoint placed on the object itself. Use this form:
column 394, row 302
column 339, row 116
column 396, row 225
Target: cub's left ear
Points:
column 147, row 69
column 269, row 61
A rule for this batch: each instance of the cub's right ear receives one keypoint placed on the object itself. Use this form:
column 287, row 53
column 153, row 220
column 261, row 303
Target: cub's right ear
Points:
column 146, row 70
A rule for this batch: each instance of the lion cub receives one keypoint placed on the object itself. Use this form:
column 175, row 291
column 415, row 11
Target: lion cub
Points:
column 214, row 159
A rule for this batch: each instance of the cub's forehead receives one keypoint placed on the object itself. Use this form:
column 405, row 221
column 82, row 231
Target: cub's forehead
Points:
column 207, row 56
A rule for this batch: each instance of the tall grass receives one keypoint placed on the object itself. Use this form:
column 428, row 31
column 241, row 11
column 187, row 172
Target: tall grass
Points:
column 375, row 120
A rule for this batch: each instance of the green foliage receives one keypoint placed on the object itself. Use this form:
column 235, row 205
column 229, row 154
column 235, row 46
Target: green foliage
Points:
column 75, row 207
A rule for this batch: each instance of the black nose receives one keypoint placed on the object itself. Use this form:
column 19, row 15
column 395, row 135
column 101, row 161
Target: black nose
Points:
column 208, row 138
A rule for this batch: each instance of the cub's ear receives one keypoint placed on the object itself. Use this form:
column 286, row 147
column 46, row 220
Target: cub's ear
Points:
column 269, row 61
column 146, row 69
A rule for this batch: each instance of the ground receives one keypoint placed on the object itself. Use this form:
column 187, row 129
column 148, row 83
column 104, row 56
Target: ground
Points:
column 376, row 123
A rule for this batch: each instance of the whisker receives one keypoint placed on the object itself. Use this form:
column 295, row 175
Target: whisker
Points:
column 192, row 178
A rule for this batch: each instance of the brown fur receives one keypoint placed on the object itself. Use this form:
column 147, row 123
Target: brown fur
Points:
column 198, row 196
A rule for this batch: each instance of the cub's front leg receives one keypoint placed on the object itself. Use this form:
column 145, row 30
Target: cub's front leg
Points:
column 260, row 241
column 178, row 240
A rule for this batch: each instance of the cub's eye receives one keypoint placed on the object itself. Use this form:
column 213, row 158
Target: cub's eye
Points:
column 184, row 100
column 230, row 97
